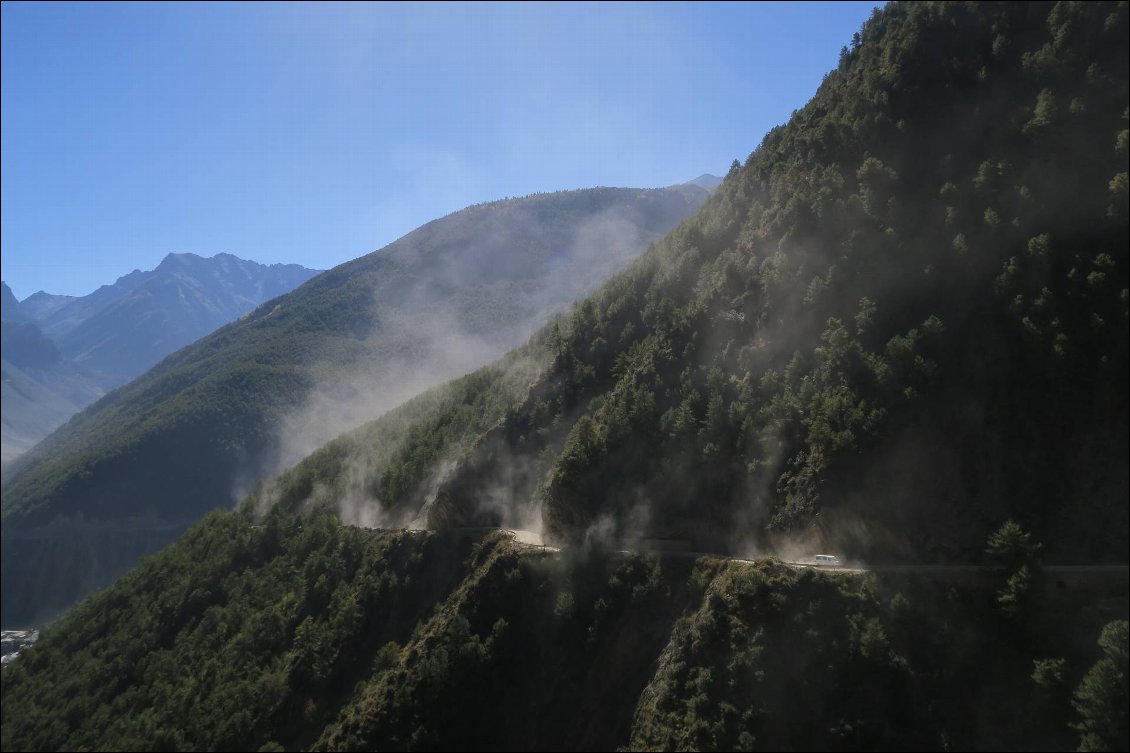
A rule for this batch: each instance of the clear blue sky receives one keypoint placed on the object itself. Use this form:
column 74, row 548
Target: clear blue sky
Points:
column 317, row 133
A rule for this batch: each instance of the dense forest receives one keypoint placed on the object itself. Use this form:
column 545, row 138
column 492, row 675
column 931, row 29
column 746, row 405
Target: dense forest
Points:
column 301, row 633
column 124, row 477
column 898, row 331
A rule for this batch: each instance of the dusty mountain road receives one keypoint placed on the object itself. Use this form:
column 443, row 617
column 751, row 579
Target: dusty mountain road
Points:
column 534, row 539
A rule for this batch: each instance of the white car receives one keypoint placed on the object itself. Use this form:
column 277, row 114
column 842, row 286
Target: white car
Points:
column 827, row 560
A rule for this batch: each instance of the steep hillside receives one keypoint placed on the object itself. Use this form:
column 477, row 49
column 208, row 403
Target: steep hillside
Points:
column 40, row 388
column 217, row 416
column 9, row 306
column 901, row 322
column 304, row 634
column 27, row 347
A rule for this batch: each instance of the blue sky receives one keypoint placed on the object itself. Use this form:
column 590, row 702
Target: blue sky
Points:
column 314, row 134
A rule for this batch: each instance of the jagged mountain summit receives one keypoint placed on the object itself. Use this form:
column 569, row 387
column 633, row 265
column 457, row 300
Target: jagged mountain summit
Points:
column 9, row 306
column 114, row 334
column 121, row 330
column 707, row 181
column 39, row 305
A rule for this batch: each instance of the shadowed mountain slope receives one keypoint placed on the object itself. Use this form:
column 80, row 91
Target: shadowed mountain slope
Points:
column 882, row 335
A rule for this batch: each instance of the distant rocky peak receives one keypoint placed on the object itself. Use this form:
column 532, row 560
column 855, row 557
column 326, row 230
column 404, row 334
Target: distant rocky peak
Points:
column 10, row 311
column 175, row 262
column 706, row 181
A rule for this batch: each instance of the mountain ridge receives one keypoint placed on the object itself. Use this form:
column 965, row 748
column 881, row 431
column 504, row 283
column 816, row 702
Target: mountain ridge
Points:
column 264, row 391
column 9, row 306
column 121, row 329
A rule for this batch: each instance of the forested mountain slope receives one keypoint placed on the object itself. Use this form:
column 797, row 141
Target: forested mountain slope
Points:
column 304, row 634
column 901, row 322
column 137, row 467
